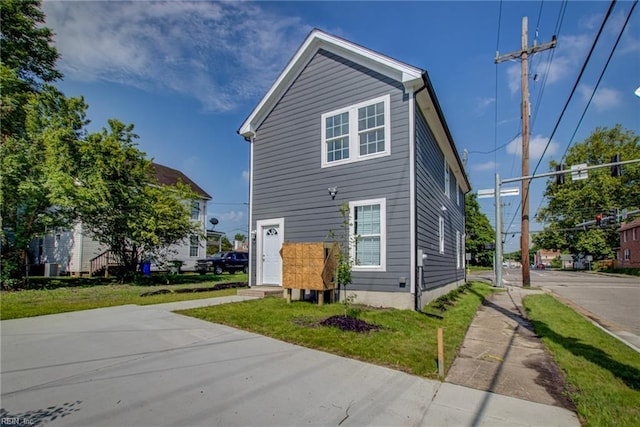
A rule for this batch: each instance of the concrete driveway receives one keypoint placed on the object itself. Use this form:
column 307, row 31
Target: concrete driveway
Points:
column 146, row 366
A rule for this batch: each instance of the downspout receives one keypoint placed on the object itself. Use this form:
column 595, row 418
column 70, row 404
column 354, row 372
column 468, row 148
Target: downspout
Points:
column 251, row 245
column 416, row 264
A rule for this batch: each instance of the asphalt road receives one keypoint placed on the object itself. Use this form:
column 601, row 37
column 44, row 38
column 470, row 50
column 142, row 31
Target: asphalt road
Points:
column 612, row 301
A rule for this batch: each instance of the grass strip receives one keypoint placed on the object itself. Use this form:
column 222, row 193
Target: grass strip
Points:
column 604, row 372
column 406, row 340
column 29, row 303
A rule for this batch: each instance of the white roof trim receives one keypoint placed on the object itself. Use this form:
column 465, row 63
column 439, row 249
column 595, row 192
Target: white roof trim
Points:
column 317, row 39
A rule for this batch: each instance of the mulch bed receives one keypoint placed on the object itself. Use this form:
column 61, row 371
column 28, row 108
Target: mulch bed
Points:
column 349, row 324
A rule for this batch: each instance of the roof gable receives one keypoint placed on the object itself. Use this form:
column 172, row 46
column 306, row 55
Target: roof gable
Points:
column 168, row 176
column 316, row 40
column 414, row 79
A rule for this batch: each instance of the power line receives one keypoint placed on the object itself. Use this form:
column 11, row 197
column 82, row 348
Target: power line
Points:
column 604, row 69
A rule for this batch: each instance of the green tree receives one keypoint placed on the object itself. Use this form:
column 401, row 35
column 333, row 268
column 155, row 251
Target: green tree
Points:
column 27, row 64
column 34, row 173
column 577, row 202
column 479, row 232
column 239, row 237
column 27, row 60
column 121, row 204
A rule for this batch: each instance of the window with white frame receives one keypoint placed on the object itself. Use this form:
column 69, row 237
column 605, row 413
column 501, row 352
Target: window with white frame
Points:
column 357, row 132
column 195, row 210
column 457, row 193
column 634, row 234
column 447, row 177
column 441, row 233
column 624, row 236
column 368, row 234
column 194, row 246
column 457, row 249
column 627, row 254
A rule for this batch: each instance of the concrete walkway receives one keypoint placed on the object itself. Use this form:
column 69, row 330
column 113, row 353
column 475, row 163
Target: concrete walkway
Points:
column 502, row 354
column 146, row 366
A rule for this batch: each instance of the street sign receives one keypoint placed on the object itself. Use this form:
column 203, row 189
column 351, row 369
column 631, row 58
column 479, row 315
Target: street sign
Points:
column 504, row 192
column 579, row 172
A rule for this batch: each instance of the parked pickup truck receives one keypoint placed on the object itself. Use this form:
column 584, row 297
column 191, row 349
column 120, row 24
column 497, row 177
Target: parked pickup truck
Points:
column 231, row 262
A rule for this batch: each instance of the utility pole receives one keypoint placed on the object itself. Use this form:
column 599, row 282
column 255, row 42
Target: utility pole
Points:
column 523, row 54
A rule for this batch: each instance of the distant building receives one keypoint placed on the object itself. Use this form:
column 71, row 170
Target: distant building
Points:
column 546, row 256
column 629, row 251
column 74, row 251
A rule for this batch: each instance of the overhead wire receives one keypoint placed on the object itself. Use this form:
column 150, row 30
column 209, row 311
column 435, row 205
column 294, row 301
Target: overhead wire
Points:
column 604, row 69
column 595, row 88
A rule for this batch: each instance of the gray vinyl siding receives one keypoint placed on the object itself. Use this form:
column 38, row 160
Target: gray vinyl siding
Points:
column 439, row 269
column 289, row 183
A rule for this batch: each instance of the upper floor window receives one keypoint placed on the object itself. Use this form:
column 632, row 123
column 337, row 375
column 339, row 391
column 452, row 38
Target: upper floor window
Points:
column 447, row 178
column 195, row 210
column 457, row 193
column 634, row 234
column 357, row 132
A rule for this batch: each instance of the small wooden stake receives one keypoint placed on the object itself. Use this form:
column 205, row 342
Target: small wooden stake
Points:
column 440, row 354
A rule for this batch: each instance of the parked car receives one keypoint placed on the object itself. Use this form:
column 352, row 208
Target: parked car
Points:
column 231, row 262
column 540, row 266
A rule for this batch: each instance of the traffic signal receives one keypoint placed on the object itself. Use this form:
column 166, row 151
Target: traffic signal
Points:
column 616, row 170
column 560, row 177
column 598, row 220
column 614, row 214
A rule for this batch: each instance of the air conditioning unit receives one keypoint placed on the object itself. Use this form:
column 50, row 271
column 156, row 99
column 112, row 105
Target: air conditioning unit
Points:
column 51, row 270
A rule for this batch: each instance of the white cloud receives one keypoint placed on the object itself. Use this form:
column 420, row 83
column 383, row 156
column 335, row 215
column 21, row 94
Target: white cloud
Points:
column 536, row 147
column 604, row 98
column 483, row 167
column 481, row 105
column 570, row 50
column 245, row 176
column 231, row 216
column 218, row 52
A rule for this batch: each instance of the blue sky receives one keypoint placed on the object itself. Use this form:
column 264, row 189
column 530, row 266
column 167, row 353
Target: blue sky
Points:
column 187, row 74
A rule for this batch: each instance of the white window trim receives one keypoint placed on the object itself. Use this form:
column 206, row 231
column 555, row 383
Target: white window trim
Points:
column 447, row 179
column 383, row 234
column 441, row 233
column 457, row 193
column 195, row 246
column 354, row 141
column 457, row 249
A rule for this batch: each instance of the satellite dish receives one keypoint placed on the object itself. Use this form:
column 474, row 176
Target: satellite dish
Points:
column 214, row 222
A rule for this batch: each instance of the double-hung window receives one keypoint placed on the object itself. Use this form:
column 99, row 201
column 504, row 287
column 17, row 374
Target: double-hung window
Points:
column 447, row 177
column 195, row 210
column 441, row 234
column 194, row 246
column 368, row 234
column 357, row 132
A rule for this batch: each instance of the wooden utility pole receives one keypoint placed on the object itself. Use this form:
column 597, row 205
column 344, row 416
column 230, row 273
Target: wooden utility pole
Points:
column 523, row 54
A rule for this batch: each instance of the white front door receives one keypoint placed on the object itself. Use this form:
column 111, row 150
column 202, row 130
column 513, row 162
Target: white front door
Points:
column 270, row 262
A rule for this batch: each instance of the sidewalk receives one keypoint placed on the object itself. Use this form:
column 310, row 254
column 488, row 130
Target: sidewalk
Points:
column 502, row 354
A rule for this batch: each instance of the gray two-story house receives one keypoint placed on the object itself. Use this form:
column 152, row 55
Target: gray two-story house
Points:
column 346, row 126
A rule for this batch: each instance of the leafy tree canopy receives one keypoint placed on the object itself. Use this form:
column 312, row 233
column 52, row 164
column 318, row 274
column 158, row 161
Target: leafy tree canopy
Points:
column 577, row 202
column 478, row 232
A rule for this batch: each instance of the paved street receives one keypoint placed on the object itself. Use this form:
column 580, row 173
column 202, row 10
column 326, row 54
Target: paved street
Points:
column 146, row 366
column 612, row 301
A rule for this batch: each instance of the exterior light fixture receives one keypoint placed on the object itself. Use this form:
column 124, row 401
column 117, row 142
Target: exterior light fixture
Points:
column 332, row 192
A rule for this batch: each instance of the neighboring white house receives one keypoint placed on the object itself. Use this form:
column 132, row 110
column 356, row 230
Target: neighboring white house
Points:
column 71, row 251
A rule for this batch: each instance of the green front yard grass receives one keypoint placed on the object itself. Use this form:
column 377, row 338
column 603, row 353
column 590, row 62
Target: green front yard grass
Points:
column 604, row 372
column 406, row 340
column 28, row 303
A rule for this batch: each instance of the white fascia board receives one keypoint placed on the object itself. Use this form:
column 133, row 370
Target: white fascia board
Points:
column 410, row 76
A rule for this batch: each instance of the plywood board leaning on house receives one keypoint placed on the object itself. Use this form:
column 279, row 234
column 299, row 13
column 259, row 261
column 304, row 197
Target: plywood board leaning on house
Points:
column 309, row 266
